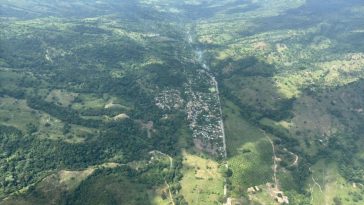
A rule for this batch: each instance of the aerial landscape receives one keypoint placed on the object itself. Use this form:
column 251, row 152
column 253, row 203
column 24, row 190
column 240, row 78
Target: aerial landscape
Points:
column 181, row 102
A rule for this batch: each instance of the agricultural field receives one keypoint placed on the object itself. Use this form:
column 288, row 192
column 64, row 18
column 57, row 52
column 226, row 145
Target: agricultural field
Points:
column 202, row 181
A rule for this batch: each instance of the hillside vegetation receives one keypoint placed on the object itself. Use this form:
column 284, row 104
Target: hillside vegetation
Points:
column 181, row 102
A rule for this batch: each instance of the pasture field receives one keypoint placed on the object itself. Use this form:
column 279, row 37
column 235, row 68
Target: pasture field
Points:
column 202, row 182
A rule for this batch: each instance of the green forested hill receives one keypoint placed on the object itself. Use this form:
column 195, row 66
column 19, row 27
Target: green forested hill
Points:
column 181, row 102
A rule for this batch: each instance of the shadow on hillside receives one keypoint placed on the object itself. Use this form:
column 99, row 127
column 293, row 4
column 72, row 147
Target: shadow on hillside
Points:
column 308, row 15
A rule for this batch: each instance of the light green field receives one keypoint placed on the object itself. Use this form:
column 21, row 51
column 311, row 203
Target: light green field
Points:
column 89, row 101
column 202, row 182
column 16, row 113
column 251, row 168
column 60, row 97
column 325, row 184
column 238, row 130
column 155, row 196
column 250, row 153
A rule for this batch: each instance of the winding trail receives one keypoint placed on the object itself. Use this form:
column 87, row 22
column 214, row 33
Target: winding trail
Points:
column 170, row 167
column 295, row 162
column 314, row 181
column 296, row 158
column 164, row 154
column 170, row 193
column 275, row 165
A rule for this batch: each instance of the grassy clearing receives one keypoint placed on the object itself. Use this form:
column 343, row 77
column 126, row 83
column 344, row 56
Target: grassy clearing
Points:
column 53, row 128
column 93, row 102
column 61, row 97
column 71, row 179
column 238, row 130
column 202, row 182
column 266, row 122
column 89, row 101
column 159, row 196
column 326, row 184
column 16, row 113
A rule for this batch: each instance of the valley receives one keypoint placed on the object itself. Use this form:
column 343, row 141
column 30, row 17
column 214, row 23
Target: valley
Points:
column 158, row 102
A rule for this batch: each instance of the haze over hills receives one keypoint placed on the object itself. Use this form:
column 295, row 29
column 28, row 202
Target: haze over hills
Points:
column 181, row 102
